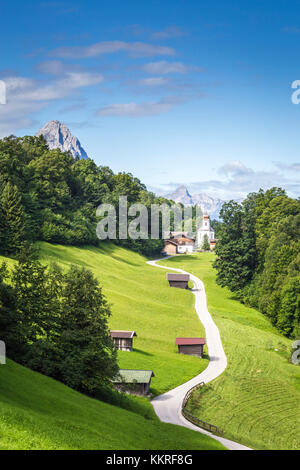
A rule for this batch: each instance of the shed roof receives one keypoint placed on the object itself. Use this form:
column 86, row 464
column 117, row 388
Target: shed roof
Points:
column 189, row 341
column 134, row 376
column 178, row 277
column 173, row 242
column 122, row 334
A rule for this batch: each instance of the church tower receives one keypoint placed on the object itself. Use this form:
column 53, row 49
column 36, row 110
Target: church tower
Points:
column 205, row 229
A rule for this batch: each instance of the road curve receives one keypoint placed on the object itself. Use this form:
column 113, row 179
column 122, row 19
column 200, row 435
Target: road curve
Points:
column 168, row 406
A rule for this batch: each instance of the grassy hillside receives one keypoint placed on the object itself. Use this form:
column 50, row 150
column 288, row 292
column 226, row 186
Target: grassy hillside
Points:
column 256, row 401
column 142, row 301
column 39, row 413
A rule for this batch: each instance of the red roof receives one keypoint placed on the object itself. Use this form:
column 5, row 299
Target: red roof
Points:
column 189, row 341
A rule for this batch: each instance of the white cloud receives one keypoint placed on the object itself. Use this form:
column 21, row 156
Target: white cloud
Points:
column 60, row 88
column 239, row 180
column 154, row 81
column 26, row 96
column 236, row 168
column 17, row 115
column 290, row 168
column 163, row 68
column 15, row 84
column 135, row 49
column 139, row 109
column 167, row 33
column 56, row 67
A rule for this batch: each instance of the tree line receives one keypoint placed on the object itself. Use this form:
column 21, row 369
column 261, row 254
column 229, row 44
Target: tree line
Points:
column 48, row 195
column 56, row 323
column 258, row 255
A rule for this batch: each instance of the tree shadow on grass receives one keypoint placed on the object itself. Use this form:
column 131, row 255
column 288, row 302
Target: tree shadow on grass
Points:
column 140, row 351
column 206, row 356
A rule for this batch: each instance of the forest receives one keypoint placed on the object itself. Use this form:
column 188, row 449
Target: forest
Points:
column 48, row 195
column 258, row 255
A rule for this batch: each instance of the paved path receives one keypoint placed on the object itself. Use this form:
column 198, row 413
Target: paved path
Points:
column 168, row 406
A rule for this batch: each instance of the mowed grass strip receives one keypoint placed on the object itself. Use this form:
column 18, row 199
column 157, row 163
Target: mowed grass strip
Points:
column 257, row 399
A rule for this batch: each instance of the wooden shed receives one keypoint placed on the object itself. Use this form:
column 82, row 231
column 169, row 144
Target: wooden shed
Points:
column 170, row 247
column 134, row 381
column 123, row 340
column 178, row 280
column 190, row 346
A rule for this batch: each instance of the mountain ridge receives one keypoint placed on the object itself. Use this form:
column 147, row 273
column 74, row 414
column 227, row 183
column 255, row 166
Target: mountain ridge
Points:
column 208, row 204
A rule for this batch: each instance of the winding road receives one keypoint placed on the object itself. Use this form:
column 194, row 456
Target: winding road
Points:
column 168, row 406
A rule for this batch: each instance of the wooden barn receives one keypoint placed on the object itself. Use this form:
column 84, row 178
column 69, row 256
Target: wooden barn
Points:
column 178, row 280
column 136, row 382
column 190, row 346
column 170, row 247
column 123, row 340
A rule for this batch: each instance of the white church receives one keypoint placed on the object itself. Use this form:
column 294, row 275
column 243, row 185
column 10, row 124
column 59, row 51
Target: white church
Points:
column 205, row 229
column 181, row 242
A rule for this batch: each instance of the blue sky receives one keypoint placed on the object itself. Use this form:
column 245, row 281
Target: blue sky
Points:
column 176, row 92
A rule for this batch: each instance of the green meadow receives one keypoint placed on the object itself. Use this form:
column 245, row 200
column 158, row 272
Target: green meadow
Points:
column 256, row 401
column 141, row 300
column 37, row 412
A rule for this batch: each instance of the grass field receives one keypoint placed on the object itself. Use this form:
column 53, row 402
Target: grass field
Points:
column 141, row 300
column 257, row 400
column 39, row 413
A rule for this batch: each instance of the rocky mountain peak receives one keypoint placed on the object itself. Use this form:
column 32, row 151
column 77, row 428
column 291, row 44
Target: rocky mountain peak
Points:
column 58, row 136
column 208, row 204
column 182, row 195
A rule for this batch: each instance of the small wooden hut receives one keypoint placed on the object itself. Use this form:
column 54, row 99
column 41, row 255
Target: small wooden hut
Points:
column 123, row 340
column 178, row 280
column 191, row 346
column 170, row 247
column 136, row 382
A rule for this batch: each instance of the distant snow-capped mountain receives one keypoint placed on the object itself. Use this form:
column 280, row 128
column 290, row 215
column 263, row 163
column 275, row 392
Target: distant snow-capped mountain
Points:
column 58, row 136
column 208, row 204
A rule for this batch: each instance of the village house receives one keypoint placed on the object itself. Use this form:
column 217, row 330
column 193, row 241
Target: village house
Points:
column 190, row 346
column 123, row 340
column 179, row 242
column 136, row 382
column 178, row 280
column 183, row 243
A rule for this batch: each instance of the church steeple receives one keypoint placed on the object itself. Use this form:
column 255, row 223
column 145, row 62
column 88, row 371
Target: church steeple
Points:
column 206, row 222
column 205, row 230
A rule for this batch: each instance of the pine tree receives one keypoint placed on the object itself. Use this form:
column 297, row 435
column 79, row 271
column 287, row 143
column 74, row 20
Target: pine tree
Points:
column 205, row 244
column 12, row 220
column 89, row 357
